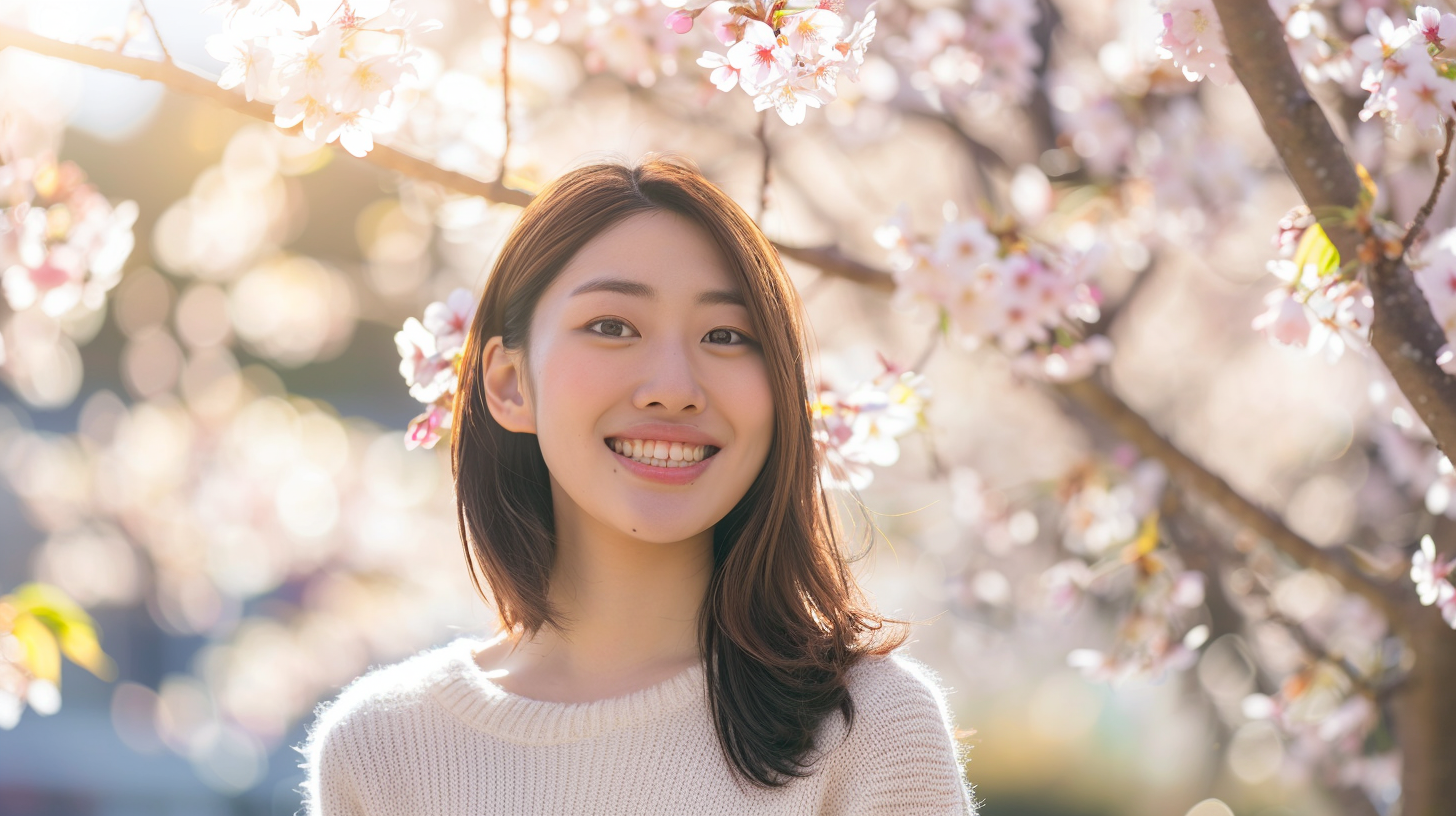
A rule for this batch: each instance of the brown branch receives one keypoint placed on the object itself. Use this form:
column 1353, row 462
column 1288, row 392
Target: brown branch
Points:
column 829, row 260
column 506, row 86
column 1443, row 169
column 1195, row 477
column 763, row 180
column 166, row 55
column 184, row 81
column 1404, row 332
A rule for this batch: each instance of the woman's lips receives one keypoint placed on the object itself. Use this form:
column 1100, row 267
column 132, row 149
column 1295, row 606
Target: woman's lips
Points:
column 672, row 476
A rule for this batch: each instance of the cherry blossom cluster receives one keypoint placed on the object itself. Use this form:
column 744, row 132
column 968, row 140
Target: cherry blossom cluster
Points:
column 430, row 364
column 1193, row 39
column 1406, row 68
column 1110, row 526
column 331, row 66
column 997, row 285
column 1432, row 576
column 990, row 50
column 786, row 58
column 1316, row 307
column 860, row 428
column 62, row 244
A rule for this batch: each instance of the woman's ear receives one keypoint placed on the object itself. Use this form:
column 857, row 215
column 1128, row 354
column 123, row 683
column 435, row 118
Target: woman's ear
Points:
column 506, row 394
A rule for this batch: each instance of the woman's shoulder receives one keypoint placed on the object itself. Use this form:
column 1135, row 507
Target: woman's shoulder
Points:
column 895, row 685
column 337, row 748
column 392, row 686
column 384, row 692
column 903, row 745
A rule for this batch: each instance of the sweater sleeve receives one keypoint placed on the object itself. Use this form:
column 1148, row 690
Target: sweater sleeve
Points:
column 328, row 787
column 901, row 757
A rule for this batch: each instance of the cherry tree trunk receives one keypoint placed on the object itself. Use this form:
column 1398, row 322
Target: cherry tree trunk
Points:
column 1425, row 719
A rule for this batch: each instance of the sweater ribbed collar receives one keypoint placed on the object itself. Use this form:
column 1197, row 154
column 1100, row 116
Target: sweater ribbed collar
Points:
column 467, row 691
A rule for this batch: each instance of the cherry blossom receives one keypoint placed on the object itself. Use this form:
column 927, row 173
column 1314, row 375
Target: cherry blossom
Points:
column 1431, row 575
column 1315, row 309
column 992, row 287
column 1401, row 72
column 62, row 244
column 430, row 353
column 861, row 427
column 786, row 59
column 331, row 69
column 1193, row 39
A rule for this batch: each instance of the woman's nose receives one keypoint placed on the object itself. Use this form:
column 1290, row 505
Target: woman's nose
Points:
column 670, row 381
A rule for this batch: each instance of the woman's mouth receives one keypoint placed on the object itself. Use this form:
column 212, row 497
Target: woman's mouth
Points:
column 657, row 453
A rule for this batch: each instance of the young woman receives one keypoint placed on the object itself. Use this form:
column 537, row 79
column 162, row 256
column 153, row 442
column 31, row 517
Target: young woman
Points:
column 636, row 478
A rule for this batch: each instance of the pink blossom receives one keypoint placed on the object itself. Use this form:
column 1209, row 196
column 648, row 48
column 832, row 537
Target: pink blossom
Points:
column 1193, row 38
column 759, row 56
column 680, row 21
column 813, row 32
column 1432, row 26
column 424, row 430
column 450, row 320
column 1285, row 321
column 724, row 75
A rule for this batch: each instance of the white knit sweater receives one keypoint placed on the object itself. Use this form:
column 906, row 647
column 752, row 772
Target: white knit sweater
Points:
column 433, row 736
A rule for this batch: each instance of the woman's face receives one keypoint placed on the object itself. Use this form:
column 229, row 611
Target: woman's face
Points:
column 648, row 393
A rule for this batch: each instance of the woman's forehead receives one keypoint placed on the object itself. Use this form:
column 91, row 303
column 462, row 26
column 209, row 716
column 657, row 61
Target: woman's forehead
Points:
column 657, row 255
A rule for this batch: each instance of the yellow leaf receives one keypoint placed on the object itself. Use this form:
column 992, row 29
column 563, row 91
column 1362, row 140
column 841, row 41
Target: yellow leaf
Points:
column 51, row 609
column 79, row 643
column 42, row 657
column 1147, row 537
column 1367, row 187
column 1316, row 248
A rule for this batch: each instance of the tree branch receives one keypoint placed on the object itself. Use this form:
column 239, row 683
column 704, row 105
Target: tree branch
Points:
column 1404, row 332
column 192, row 84
column 830, row 260
column 1443, row 169
column 146, row 12
column 1136, row 429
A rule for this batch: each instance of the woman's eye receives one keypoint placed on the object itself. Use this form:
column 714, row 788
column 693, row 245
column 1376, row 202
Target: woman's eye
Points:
column 611, row 327
column 725, row 337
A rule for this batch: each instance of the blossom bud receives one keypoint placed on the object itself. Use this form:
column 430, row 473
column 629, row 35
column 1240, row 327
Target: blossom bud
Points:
column 680, row 21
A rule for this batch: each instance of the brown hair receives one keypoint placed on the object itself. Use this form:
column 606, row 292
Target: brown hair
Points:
column 783, row 619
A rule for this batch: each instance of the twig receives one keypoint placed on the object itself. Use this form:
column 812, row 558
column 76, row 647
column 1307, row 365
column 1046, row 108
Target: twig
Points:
column 930, row 347
column 763, row 182
column 506, row 86
column 1443, row 169
column 166, row 55
column 1317, row 650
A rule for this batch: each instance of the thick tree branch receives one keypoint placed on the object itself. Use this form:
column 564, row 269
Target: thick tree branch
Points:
column 830, row 260
column 1198, row 479
column 192, row 84
column 1404, row 332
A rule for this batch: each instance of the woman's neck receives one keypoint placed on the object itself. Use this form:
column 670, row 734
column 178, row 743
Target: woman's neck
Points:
column 630, row 609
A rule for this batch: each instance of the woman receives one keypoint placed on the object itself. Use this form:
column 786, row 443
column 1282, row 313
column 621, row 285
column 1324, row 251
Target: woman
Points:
column 636, row 477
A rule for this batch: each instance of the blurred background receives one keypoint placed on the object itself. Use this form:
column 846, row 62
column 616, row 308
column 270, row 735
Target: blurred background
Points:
column 206, row 453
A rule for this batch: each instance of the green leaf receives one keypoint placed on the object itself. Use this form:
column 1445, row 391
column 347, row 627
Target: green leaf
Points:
column 1316, row 248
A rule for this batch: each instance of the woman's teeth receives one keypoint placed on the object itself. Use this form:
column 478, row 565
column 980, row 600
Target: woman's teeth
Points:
column 657, row 453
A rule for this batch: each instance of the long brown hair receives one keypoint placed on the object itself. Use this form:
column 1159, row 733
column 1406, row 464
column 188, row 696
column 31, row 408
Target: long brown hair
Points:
column 783, row 619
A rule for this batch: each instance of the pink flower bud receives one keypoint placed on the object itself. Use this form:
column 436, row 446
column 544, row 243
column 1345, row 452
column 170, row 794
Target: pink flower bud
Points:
column 679, row 21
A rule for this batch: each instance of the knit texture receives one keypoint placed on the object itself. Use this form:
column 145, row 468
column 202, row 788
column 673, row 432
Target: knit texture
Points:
column 432, row 734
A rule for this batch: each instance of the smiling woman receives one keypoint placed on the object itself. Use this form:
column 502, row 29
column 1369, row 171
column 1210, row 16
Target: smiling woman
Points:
column 636, row 481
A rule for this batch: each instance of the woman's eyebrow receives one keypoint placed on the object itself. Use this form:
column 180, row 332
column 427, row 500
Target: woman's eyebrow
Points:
column 622, row 286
